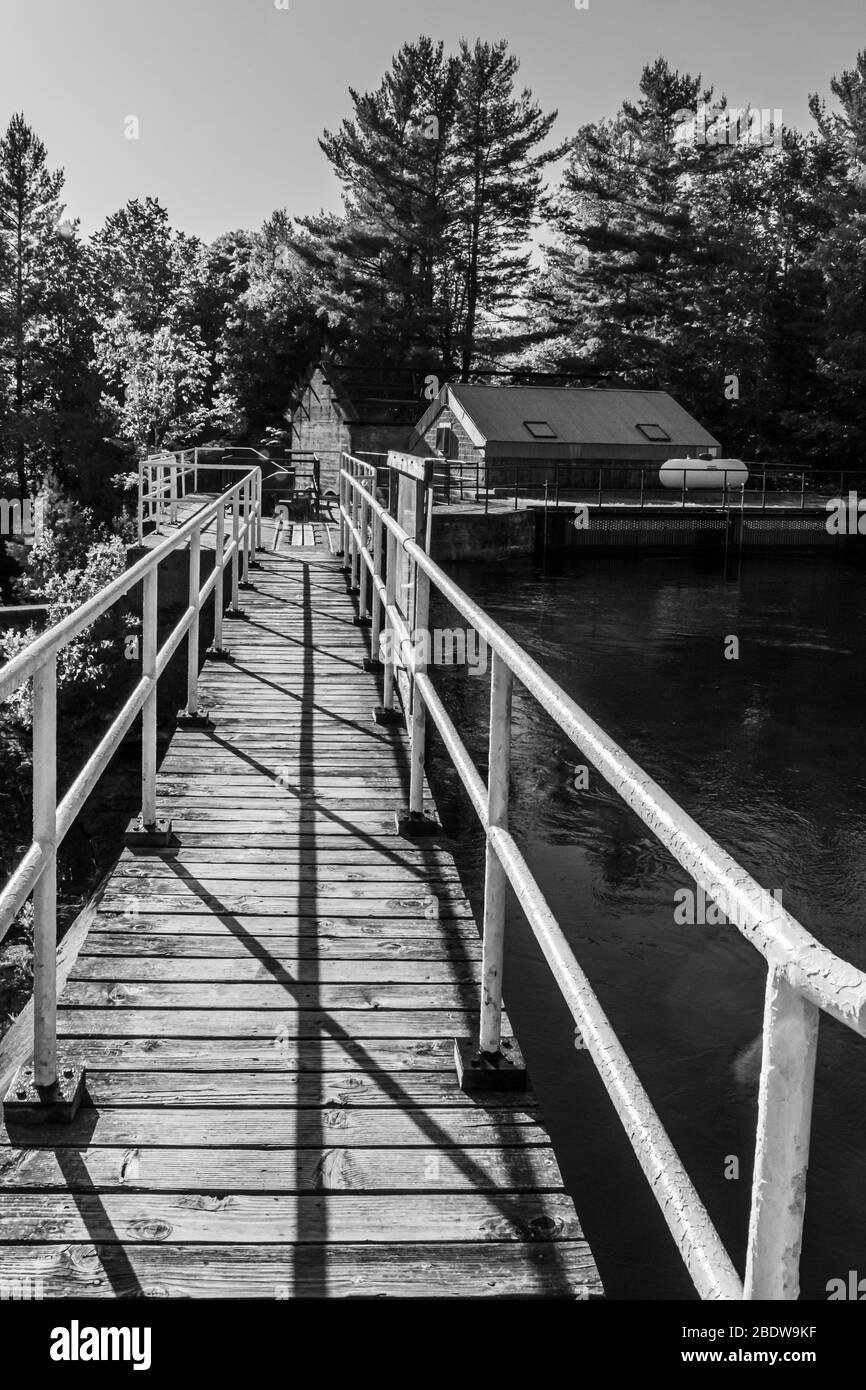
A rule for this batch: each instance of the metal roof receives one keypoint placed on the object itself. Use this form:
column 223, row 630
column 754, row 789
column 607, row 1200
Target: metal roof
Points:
column 575, row 415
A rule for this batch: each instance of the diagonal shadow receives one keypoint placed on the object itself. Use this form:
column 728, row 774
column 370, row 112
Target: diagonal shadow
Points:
column 78, row 1184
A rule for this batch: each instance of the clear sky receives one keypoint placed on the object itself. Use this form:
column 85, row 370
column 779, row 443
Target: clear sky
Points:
column 231, row 95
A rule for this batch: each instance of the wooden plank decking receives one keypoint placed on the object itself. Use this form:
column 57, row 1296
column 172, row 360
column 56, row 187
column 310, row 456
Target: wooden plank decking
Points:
column 266, row 1014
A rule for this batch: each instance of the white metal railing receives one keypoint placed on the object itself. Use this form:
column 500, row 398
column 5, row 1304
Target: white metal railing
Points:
column 162, row 481
column 37, row 871
column 804, row 978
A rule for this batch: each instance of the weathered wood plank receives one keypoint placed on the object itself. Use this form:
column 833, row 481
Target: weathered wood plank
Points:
column 267, row 994
column 347, row 1024
column 277, row 1217
column 248, row 926
column 386, row 953
column 286, row 1128
column 251, row 970
column 272, row 1051
column 492, row 1270
column 310, row 1090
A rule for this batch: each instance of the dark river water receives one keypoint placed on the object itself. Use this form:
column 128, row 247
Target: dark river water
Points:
column 768, row 753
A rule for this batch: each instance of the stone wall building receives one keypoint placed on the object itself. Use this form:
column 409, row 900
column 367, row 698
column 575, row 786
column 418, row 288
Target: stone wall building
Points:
column 360, row 410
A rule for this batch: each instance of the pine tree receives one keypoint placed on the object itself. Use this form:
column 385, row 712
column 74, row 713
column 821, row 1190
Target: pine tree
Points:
column 30, row 211
column 838, row 422
column 499, row 167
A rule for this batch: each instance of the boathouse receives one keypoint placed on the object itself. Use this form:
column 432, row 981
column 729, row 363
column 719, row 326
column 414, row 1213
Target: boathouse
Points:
column 360, row 410
column 574, row 430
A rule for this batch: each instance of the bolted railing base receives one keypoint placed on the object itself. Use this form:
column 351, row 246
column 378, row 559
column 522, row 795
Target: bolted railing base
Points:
column 246, row 584
column 415, row 825
column 139, row 835
column 373, row 665
column 489, row 1071
column 353, row 590
column 25, row 1103
column 362, row 622
column 199, row 720
column 381, row 715
column 234, row 612
column 218, row 654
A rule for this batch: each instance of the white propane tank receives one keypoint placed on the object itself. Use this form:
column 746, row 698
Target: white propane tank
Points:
column 703, row 473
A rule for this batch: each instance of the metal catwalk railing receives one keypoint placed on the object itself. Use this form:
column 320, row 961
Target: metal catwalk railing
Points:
column 804, row 978
column 36, row 873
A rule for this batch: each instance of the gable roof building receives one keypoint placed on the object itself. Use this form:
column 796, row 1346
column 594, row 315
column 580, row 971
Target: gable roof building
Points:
column 576, row 427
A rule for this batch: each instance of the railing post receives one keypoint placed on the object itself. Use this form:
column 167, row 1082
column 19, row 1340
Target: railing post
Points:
column 172, row 494
column 140, row 501
column 236, row 552
column 764, row 490
column 52, row 1088
column 341, row 507
column 148, row 713
column 260, row 494
column 45, row 892
column 499, row 762
column 363, row 576
column 217, row 650
column 376, row 627
column 192, row 649
column 420, row 643
column 782, row 1142
column 355, row 547
column 391, row 570
column 246, row 530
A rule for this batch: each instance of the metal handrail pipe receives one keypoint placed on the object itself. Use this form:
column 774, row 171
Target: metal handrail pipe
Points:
column 21, row 882
column 702, row 1251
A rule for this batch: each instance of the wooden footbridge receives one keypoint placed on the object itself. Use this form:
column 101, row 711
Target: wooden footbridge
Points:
column 300, row 1080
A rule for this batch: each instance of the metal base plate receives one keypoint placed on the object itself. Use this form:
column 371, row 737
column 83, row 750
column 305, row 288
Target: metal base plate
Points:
column 373, row 666
column 193, row 721
column 246, row 584
column 415, row 825
column 485, row 1071
column 362, row 622
column 218, row 654
column 25, row 1103
column 353, row 590
column 381, row 715
column 139, row 835
column 234, row 612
